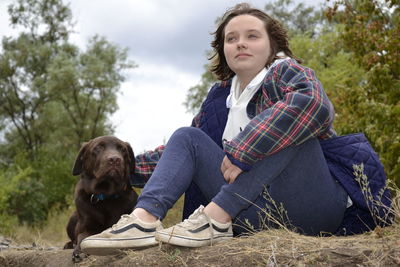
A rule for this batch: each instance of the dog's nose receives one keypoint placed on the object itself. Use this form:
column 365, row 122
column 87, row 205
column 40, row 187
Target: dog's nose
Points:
column 114, row 160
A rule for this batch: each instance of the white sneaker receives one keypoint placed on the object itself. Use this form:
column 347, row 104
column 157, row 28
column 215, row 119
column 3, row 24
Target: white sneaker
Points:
column 128, row 232
column 196, row 231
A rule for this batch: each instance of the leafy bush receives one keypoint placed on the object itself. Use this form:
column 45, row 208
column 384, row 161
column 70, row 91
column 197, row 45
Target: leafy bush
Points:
column 22, row 197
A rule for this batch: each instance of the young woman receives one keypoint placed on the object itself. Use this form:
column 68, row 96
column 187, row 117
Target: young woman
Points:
column 253, row 152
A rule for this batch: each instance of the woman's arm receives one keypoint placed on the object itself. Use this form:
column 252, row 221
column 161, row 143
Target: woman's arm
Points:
column 302, row 111
column 144, row 166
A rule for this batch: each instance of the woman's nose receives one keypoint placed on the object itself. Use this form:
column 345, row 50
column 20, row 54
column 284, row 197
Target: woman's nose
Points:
column 241, row 44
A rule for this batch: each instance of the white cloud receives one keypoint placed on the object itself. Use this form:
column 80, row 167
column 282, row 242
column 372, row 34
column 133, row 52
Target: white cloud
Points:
column 150, row 106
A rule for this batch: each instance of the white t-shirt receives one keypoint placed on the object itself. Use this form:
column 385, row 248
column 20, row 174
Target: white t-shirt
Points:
column 237, row 103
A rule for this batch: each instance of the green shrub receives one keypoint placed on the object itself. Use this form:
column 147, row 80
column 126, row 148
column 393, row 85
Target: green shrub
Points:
column 23, row 197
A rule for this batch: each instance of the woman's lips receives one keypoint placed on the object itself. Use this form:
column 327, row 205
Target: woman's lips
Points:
column 242, row 55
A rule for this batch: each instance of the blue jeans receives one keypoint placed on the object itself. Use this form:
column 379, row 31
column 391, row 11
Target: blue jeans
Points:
column 292, row 187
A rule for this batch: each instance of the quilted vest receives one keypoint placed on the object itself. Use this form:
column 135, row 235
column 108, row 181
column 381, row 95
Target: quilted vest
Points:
column 215, row 115
column 368, row 191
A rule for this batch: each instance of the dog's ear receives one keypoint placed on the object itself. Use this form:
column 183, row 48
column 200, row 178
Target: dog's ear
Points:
column 131, row 156
column 78, row 165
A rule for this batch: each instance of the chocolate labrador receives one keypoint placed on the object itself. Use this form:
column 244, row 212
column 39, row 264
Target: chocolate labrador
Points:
column 103, row 192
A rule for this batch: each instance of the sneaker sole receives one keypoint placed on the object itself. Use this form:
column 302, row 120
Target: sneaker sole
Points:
column 189, row 241
column 103, row 247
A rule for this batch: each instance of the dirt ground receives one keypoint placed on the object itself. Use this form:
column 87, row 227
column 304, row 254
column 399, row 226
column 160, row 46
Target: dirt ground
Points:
column 269, row 248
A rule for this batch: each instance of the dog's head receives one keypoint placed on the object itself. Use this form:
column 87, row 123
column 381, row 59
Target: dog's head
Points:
column 105, row 162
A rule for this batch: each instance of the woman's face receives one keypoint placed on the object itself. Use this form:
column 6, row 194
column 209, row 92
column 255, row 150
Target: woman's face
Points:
column 246, row 45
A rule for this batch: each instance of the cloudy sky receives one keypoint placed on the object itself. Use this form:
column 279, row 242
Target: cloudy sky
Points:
column 167, row 39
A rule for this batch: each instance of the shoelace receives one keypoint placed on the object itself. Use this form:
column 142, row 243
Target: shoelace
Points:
column 192, row 220
column 188, row 223
column 124, row 218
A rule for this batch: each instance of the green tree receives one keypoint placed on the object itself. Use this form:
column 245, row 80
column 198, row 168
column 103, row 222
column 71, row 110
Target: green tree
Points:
column 297, row 18
column 371, row 33
column 86, row 86
column 53, row 97
column 43, row 77
column 335, row 69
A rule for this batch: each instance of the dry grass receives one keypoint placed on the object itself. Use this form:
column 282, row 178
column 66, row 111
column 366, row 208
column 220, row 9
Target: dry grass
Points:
column 280, row 247
column 273, row 247
column 53, row 233
column 268, row 248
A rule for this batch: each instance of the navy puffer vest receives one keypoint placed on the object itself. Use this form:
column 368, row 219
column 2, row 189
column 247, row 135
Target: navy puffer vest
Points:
column 215, row 115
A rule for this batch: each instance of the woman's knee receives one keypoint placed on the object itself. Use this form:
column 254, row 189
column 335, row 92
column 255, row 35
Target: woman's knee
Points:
column 187, row 133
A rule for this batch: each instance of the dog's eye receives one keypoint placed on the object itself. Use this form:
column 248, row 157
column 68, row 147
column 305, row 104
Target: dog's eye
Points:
column 98, row 148
column 121, row 148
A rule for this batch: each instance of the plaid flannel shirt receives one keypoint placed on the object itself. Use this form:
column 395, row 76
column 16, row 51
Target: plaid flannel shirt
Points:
column 144, row 166
column 290, row 108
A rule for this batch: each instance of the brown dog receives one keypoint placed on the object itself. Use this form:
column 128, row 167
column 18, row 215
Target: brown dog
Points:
column 103, row 192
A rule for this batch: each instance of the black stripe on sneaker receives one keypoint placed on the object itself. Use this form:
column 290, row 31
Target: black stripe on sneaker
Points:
column 201, row 228
column 220, row 229
column 133, row 225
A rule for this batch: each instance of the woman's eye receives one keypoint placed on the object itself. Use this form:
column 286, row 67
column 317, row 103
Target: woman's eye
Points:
column 253, row 36
column 230, row 39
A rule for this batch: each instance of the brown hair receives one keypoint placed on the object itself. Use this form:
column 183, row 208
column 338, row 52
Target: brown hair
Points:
column 277, row 35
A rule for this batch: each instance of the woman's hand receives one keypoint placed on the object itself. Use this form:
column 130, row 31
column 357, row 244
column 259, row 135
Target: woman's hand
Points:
column 230, row 171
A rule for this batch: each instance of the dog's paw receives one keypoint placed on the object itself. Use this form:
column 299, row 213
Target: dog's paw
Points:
column 69, row 245
column 78, row 256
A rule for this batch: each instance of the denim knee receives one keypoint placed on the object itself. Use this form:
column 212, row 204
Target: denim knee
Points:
column 186, row 132
column 183, row 161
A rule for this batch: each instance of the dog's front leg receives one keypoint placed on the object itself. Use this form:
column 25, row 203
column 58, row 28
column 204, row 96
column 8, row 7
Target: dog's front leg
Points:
column 77, row 254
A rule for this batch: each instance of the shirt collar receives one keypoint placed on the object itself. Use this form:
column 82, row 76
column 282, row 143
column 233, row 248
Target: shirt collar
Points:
column 256, row 82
